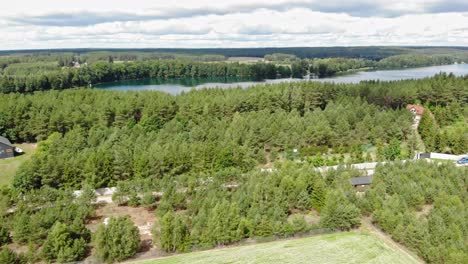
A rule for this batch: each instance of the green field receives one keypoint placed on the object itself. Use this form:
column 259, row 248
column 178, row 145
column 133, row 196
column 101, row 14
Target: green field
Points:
column 8, row 167
column 348, row 247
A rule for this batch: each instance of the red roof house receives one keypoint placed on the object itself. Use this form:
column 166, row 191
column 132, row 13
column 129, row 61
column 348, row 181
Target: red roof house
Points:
column 416, row 109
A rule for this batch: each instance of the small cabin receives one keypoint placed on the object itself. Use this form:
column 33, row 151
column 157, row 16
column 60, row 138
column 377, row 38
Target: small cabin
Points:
column 7, row 150
column 360, row 183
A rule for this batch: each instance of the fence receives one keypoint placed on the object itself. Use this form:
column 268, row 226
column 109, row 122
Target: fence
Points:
column 442, row 156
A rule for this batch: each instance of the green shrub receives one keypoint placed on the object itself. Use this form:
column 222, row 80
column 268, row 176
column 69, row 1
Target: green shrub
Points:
column 116, row 241
column 64, row 244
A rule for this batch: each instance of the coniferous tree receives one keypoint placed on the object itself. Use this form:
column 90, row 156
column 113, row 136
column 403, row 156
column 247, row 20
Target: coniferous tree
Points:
column 116, row 241
column 339, row 212
column 64, row 244
column 428, row 130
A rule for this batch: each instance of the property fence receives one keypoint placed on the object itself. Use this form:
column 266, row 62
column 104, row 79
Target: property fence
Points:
column 442, row 156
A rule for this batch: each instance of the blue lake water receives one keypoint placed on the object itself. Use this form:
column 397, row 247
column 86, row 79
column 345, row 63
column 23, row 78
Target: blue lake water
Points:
column 177, row 86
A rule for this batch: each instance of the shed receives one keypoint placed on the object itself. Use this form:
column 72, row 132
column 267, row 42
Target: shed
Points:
column 6, row 148
column 360, row 181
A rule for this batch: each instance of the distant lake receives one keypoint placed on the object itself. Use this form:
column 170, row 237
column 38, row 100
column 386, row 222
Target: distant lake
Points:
column 179, row 85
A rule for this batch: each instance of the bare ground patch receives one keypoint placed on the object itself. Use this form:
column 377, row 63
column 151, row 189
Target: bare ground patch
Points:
column 143, row 218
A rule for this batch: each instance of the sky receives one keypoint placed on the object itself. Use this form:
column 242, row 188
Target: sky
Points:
column 50, row 24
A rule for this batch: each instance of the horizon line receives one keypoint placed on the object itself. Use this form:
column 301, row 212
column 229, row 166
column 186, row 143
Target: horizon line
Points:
column 236, row 48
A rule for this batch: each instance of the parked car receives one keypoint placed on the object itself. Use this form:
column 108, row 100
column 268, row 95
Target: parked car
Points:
column 463, row 161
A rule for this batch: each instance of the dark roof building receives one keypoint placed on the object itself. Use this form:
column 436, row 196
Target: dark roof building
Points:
column 5, row 141
column 6, row 148
column 364, row 180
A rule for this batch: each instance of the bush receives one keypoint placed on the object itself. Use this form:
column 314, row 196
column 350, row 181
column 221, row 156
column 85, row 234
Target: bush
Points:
column 299, row 224
column 339, row 212
column 148, row 200
column 116, row 241
column 133, row 200
column 4, row 235
column 119, row 197
column 64, row 244
column 8, row 256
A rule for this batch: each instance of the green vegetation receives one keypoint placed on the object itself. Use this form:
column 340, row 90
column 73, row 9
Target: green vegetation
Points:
column 194, row 159
column 280, row 57
column 99, row 72
column 445, row 129
column 38, row 71
column 371, row 53
column 94, row 135
column 117, row 240
column 328, row 67
column 334, row 248
column 397, row 199
column 339, row 213
column 10, row 257
column 65, row 243
column 9, row 167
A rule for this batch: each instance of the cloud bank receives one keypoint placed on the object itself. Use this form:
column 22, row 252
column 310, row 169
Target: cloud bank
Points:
column 241, row 23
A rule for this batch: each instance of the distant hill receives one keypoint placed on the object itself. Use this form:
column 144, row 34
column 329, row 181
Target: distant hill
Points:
column 367, row 52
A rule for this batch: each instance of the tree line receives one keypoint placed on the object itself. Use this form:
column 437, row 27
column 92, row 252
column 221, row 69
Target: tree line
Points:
column 43, row 71
column 99, row 72
column 327, row 67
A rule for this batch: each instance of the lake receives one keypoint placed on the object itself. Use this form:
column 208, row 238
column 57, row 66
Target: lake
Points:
column 179, row 85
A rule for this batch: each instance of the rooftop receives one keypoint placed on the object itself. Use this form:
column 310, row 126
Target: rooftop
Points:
column 5, row 141
column 364, row 180
column 416, row 109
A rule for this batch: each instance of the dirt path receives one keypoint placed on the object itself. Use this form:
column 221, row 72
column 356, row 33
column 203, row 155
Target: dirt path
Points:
column 368, row 226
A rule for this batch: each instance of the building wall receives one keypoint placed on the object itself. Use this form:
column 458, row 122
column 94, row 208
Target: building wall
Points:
column 442, row 156
column 6, row 151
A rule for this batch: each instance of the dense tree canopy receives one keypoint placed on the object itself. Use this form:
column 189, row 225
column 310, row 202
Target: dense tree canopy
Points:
column 195, row 160
column 23, row 80
column 423, row 206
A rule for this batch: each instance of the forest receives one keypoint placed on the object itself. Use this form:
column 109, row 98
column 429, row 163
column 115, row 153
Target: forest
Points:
column 38, row 71
column 103, row 137
column 422, row 206
column 327, row 67
column 21, row 79
column 367, row 52
column 193, row 161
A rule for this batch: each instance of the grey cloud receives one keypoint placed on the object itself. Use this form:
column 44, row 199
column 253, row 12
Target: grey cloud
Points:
column 357, row 8
column 270, row 30
column 77, row 19
column 448, row 6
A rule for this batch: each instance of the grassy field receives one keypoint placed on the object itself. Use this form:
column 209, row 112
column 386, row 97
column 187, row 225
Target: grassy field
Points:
column 8, row 167
column 348, row 247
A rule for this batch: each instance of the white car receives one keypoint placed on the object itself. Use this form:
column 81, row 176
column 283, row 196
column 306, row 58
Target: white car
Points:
column 18, row 150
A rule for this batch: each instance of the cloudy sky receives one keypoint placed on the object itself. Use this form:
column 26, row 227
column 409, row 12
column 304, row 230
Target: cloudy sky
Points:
column 32, row 24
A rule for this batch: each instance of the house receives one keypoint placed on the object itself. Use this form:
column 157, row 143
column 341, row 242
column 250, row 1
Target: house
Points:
column 6, row 148
column 76, row 64
column 361, row 183
column 416, row 109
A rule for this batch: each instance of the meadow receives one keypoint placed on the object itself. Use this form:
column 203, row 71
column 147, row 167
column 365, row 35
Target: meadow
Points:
column 8, row 167
column 349, row 247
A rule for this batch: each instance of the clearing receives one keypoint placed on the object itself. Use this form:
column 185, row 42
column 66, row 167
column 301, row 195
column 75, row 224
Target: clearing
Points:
column 8, row 167
column 347, row 247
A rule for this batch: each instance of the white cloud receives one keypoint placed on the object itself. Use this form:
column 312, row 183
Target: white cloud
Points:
column 240, row 23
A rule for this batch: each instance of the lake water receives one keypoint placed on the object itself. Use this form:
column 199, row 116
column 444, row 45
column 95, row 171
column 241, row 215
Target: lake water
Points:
column 177, row 86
